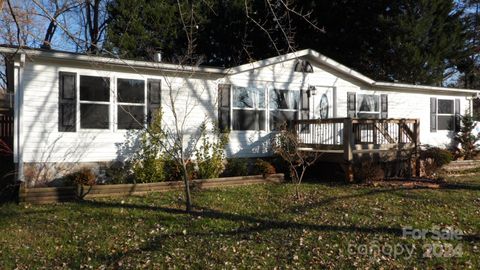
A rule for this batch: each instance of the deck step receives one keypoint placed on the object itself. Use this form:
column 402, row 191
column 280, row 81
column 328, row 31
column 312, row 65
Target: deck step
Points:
column 462, row 165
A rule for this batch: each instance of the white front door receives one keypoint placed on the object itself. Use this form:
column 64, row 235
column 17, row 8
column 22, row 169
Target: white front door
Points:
column 322, row 103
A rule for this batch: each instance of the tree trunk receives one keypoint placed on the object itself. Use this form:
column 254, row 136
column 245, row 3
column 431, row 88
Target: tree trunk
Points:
column 188, row 199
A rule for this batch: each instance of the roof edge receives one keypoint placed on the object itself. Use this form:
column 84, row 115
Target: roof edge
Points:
column 322, row 59
column 314, row 55
column 405, row 86
column 110, row 60
column 268, row 61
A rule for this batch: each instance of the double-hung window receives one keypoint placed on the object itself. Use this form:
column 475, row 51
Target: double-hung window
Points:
column 368, row 106
column 130, row 103
column 446, row 114
column 94, row 102
column 248, row 108
column 284, row 106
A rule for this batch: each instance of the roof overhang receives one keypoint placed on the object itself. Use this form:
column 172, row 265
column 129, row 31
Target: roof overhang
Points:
column 109, row 61
column 307, row 53
column 423, row 88
column 166, row 67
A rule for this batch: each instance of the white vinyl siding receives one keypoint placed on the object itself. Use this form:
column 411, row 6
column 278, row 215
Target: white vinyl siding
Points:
column 43, row 143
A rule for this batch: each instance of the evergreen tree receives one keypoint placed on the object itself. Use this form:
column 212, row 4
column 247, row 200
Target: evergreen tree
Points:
column 466, row 138
column 423, row 39
column 411, row 41
column 224, row 33
column 469, row 64
column 139, row 28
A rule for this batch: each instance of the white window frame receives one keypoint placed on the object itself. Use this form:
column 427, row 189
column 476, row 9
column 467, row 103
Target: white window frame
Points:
column 272, row 90
column 255, row 105
column 446, row 114
column 116, row 103
column 378, row 113
column 112, row 103
column 109, row 103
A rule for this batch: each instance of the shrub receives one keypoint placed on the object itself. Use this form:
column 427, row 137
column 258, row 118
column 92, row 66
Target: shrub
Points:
column 368, row 171
column 149, row 170
column 438, row 155
column 211, row 153
column 236, row 167
column 263, row 167
column 120, row 173
column 148, row 162
column 434, row 158
column 84, row 177
column 282, row 166
column 173, row 171
column 466, row 137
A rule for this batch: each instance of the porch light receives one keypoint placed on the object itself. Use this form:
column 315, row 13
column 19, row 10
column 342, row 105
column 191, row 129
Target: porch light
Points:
column 312, row 90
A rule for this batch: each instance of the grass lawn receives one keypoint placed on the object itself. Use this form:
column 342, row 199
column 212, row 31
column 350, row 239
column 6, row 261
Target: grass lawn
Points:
column 253, row 226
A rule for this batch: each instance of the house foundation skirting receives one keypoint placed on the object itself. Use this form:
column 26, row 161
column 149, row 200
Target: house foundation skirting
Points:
column 52, row 174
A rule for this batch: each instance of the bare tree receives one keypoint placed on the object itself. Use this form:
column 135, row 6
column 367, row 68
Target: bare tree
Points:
column 57, row 9
column 173, row 132
column 18, row 24
column 94, row 23
column 286, row 144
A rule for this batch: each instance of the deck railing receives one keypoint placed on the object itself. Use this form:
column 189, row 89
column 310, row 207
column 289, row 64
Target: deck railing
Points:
column 355, row 137
column 331, row 134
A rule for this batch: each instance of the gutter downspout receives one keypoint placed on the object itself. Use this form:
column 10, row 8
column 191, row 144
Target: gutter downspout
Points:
column 18, row 116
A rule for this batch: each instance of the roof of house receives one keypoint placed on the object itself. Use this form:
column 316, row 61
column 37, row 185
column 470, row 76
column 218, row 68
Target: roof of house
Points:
column 307, row 53
column 114, row 61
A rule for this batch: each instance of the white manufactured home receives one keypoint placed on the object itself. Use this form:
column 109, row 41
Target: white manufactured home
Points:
column 72, row 109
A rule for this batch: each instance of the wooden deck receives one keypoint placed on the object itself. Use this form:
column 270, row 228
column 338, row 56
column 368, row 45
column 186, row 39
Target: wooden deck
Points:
column 347, row 139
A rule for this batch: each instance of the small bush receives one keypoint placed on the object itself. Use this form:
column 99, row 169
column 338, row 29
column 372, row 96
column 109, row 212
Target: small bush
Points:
column 149, row 170
column 433, row 159
column 211, row 153
column 236, row 167
column 173, row 171
column 368, row 171
column 84, row 177
column 263, row 167
column 467, row 137
column 282, row 166
column 120, row 173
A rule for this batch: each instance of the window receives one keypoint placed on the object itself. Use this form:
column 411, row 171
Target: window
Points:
column 303, row 66
column 446, row 114
column 283, row 106
column 368, row 106
column 130, row 103
column 94, row 102
column 245, row 108
column 248, row 108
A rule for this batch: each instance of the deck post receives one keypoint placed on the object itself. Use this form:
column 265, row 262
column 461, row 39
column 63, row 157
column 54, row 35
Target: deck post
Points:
column 347, row 148
column 416, row 132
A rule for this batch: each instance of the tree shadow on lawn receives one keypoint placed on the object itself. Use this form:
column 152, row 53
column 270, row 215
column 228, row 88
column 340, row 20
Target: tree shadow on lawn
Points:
column 358, row 194
column 460, row 186
column 397, row 191
column 260, row 224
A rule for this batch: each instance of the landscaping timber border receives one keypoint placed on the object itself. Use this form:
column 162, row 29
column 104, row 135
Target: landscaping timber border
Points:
column 63, row 194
